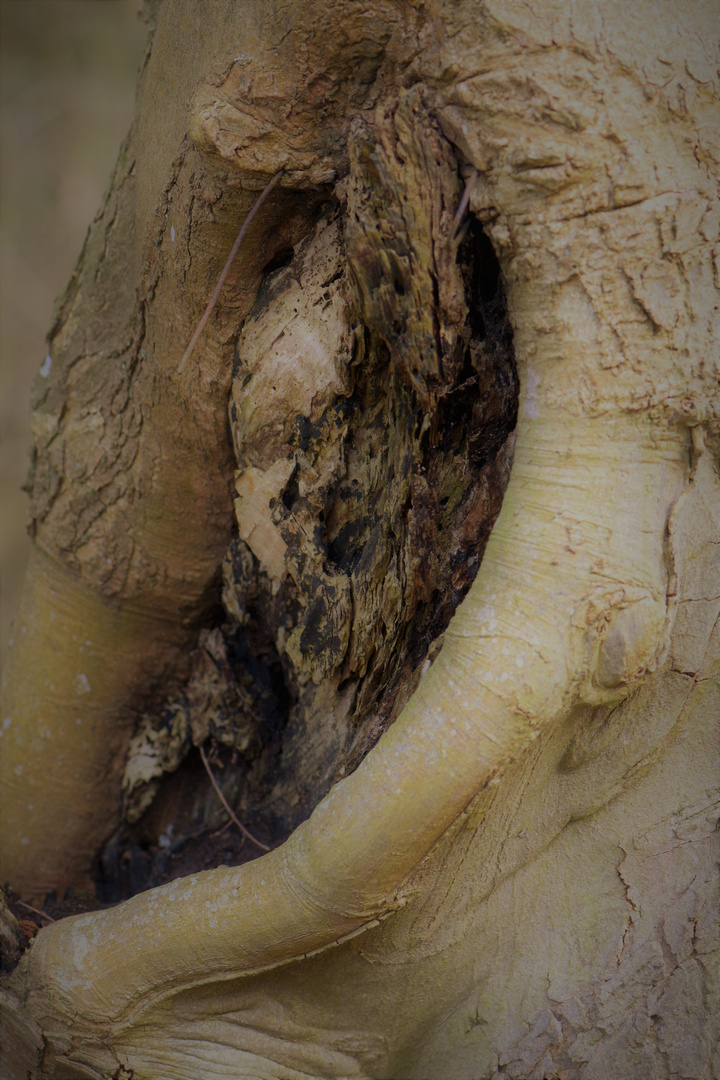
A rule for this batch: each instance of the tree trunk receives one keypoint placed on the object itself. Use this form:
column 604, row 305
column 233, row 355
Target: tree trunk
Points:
column 472, row 324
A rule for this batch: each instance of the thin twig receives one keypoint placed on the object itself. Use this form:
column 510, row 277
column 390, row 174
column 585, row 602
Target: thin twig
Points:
column 223, row 829
column 226, row 270
column 464, row 203
column 225, row 803
column 37, row 911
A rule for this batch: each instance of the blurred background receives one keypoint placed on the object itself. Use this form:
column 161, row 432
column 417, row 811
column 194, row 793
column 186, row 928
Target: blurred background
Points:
column 67, row 91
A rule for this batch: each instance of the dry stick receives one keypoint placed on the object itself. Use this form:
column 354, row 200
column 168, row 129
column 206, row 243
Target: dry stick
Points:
column 226, row 270
column 37, row 911
column 224, row 828
column 462, row 207
column 188, row 353
column 225, row 803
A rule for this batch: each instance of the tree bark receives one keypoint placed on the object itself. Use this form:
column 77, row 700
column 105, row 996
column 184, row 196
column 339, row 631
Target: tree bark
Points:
column 508, row 867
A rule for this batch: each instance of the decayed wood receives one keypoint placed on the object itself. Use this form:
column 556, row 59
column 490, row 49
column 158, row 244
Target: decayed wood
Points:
column 372, row 463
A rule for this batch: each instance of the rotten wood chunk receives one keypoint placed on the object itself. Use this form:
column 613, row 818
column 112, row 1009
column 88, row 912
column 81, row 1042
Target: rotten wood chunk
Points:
column 373, row 400
column 402, row 196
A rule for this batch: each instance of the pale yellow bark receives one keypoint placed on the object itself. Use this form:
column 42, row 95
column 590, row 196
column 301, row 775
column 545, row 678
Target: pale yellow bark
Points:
column 582, row 665
column 56, row 739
